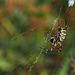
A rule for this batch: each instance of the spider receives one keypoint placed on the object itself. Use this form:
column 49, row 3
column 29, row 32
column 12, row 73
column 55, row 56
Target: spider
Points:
column 58, row 38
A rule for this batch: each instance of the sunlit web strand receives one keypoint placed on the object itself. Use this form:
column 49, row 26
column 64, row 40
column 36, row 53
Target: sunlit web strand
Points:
column 25, row 64
column 48, row 36
column 32, row 29
column 35, row 61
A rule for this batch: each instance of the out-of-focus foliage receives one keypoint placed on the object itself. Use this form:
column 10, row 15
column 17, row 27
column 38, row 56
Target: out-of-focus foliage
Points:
column 24, row 25
column 2, row 3
column 42, row 2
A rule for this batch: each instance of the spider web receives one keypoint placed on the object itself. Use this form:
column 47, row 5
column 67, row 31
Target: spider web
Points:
column 35, row 55
column 46, row 39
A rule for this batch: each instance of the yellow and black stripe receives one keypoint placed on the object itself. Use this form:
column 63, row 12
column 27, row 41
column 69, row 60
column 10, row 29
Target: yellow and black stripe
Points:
column 62, row 34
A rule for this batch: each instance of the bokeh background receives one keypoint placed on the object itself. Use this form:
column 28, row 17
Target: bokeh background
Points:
column 24, row 25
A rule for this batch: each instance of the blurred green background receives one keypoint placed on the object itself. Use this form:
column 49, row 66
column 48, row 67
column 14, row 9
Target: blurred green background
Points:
column 24, row 25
